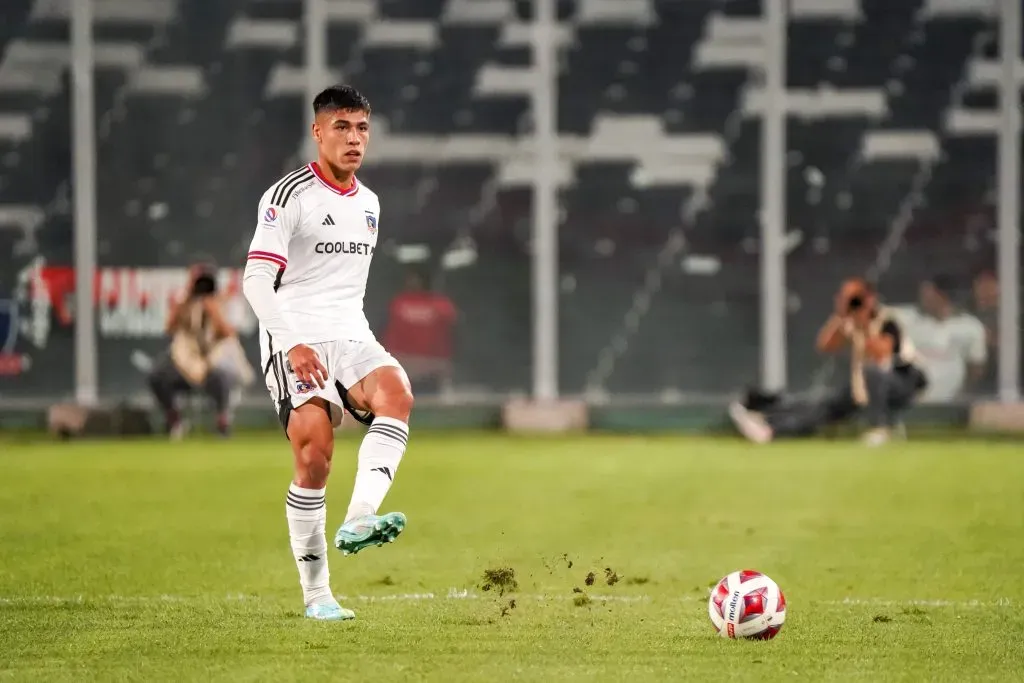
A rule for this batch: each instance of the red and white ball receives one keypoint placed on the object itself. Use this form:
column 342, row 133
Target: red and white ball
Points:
column 747, row 604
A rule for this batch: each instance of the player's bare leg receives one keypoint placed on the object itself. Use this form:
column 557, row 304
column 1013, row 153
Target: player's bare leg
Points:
column 312, row 438
column 387, row 394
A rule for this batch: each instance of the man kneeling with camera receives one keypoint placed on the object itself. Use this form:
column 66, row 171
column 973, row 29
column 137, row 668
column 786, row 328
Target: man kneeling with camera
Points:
column 883, row 380
column 204, row 353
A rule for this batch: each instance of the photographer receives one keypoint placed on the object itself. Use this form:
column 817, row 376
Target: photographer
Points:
column 204, row 353
column 883, row 379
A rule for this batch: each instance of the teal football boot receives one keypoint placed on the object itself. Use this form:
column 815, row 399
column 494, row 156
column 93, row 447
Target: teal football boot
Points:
column 329, row 611
column 363, row 532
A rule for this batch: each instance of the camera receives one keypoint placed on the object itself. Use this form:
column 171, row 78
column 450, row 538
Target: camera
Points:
column 204, row 284
column 854, row 295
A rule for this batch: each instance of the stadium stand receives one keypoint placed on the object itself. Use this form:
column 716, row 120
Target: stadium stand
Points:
column 199, row 105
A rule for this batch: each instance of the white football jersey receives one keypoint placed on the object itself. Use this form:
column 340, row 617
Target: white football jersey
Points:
column 944, row 349
column 322, row 237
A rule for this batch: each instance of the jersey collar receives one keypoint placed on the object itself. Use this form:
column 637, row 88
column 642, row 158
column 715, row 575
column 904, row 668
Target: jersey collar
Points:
column 343, row 191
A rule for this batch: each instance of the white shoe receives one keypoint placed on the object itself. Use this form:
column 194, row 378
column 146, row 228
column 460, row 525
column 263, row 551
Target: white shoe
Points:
column 750, row 424
column 180, row 430
column 876, row 437
column 899, row 432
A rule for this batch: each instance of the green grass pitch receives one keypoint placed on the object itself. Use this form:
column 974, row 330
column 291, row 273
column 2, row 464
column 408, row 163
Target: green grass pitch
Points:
column 145, row 560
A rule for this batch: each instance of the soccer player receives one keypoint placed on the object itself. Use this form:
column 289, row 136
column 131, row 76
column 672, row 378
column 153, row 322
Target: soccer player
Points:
column 305, row 278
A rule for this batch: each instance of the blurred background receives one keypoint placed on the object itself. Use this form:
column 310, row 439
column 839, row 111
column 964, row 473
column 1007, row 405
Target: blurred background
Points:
column 623, row 200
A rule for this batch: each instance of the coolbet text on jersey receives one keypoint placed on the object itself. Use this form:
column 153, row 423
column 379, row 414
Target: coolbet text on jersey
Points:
column 322, row 237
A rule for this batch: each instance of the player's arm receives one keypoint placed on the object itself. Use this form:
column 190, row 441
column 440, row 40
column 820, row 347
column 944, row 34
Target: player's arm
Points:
column 267, row 258
column 173, row 315
column 833, row 335
column 976, row 351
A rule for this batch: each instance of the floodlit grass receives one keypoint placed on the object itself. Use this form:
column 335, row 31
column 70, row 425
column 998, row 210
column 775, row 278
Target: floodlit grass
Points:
column 143, row 560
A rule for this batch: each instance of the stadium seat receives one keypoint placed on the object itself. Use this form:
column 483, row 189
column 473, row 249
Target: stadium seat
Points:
column 890, row 120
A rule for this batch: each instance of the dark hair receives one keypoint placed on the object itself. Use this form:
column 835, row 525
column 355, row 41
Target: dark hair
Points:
column 944, row 284
column 343, row 97
column 861, row 283
column 204, row 281
column 421, row 273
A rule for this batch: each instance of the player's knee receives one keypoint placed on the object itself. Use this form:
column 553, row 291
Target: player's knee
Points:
column 404, row 399
column 391, row 396
column 312, row 464
column 397, row 403
column 313, row 450
column 309, row 430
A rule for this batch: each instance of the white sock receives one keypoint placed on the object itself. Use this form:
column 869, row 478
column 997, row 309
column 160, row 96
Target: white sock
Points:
column 306, row 510
column 379, row 455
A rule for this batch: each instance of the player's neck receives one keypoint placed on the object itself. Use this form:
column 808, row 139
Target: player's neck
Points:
column 343, row 181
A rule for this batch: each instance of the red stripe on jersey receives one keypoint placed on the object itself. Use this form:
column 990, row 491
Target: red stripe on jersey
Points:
column 267, row 256
column 343, row 191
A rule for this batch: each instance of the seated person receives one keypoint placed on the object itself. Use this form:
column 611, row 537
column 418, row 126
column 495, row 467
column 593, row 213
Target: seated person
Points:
column 985, row 307
column 950, row 343
column 204, row 353
column 882, row 382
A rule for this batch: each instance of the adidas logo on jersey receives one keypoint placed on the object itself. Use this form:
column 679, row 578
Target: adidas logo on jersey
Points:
column 328, row 220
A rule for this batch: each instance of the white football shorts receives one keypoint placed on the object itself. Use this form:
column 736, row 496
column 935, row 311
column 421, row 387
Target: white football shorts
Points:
column 347, row 363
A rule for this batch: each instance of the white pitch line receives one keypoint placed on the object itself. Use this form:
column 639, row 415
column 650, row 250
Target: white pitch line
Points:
column 880, row 602
column 462, row 594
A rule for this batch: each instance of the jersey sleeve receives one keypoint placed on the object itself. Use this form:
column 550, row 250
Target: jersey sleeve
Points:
column 274, row 230
column 975, row 350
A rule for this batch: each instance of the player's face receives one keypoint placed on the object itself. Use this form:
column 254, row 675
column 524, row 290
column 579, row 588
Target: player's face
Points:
column 342, row 136
column 932, row 301
column 986, row 290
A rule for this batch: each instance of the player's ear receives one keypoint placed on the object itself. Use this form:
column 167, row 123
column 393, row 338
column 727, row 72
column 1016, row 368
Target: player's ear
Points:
column 316, row 132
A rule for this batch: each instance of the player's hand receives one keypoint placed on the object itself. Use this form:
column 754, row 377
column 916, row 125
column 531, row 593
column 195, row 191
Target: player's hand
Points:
column 841, row 303
column 847, row 291
column 307, row 366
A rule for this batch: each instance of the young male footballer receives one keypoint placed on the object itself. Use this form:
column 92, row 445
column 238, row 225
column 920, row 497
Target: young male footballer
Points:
column 305, row 278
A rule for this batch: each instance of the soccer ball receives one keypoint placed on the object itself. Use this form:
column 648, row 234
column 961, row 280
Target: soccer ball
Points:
column 747, row 604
